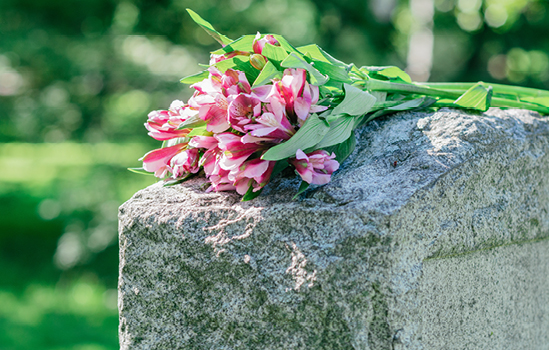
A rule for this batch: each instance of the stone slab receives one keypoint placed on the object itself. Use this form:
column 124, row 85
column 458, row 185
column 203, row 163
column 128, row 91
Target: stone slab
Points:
column 432, row 235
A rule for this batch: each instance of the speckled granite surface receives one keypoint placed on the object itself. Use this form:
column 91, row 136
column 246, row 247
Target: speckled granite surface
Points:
column 449, row 249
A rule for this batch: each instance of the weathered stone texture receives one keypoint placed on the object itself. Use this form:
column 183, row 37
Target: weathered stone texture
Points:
column 449, row 249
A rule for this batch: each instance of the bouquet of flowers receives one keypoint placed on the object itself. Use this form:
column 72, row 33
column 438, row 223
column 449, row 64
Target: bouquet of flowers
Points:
column 263, row 105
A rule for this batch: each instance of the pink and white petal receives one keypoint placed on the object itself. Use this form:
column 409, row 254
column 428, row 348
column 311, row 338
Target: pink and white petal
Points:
column 207, row 142
column 299, row 154
column 263, row 131
column 301, row 108
column 262, row 92
column 306, row 174
column 248, row 138
column 320, row 179
column 243, row 185
column 256, row 168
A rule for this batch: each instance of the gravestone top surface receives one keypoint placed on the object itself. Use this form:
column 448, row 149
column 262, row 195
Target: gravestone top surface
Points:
column 346, row 265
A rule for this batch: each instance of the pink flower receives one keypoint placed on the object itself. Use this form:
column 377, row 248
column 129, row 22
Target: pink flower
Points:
column 316, row 167
column 207, row 142
column 220, row 182
column 259, row 43
column 162, row 125
column 272, row 126
column 242, row 109
column 184, row 163
column 255, row 173
column 211, row 97
column 297, row 95
column 158, row 160
column 218, row 58
column 236, row 152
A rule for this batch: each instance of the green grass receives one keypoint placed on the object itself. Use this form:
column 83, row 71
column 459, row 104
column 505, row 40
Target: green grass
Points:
column 43, row 306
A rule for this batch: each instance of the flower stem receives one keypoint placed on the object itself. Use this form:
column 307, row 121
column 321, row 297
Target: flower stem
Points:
column 379, row 85
column 498, row 88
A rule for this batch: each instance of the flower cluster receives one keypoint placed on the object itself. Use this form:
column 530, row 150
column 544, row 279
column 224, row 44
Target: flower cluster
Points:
column 227, row 125
column 264, row 105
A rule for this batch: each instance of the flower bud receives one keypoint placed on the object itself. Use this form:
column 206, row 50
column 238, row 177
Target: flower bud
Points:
column 257, row 61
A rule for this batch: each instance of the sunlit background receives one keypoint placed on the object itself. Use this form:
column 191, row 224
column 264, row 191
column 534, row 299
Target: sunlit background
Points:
column 77, row 80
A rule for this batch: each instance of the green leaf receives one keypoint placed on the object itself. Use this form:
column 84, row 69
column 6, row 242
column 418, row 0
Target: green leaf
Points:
column 390, row 72
column 200, row 131
column 336, row 73
column 330, row 91
column 302, row 188
column 241, row 63
column 340, row 130
column 316, row 53
column 195, row 78
column 356, row 102
column 294, row 61
column 267, row 73
column 477, row 97
column 275, row 54
column 306, row 137
column 344, row 149
column 244, row 43
column 410, row 104
column 250, row 194
column 175, row 141
column 140, row 171
column 191, row 122
column 220, row 38
column 286, row 45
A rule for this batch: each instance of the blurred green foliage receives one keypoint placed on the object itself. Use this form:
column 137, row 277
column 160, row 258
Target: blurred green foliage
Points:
column 77, row 80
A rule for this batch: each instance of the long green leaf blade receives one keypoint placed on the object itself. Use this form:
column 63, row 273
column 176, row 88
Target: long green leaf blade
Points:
column 344, row 149
column 140, row 171
column 313, row 130
column 302, row 188
column 220, row 38
column 244, row 43
column 275, row 54
column 356, row 102
column 250, row 194
column 320, row 55
column 477, row 97
column 340, row 130
column 195, row 78
column 390, row 72
column 241, row 63
column 268, row 72
column 294, row 61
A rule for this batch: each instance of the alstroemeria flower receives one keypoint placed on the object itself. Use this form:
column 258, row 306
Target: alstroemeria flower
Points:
column 162, row 125
column 297, row 95
column 220, row 182
column 184, row 163
column 259, row 43
column 218, row 58
column 158, row 160
column 236, row 152
column 216, row 145
column 207, row 142
column 255, row 173
column 211, row 97
column 242, row 109
column 316, row 167
column 271, row 126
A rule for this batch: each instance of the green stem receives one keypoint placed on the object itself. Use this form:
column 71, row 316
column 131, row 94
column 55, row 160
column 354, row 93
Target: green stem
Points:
column 502, row 102
column 498, row 88
column 379, row 85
